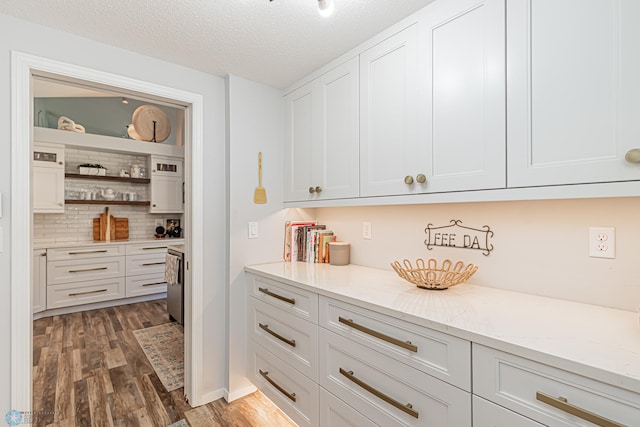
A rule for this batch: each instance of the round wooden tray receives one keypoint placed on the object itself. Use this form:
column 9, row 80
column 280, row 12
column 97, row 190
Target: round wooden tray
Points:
column 143, row 120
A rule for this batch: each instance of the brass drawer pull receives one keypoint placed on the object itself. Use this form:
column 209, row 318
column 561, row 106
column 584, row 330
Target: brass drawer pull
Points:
column 292, row 343
column 562, row 404
column 88, row 292
column 153, row 284
column 154, row 247
column 88, row 269
column 408, row 408
column 147, row 264
column 102, row 251
column 265, row 375
column 404, row 344
column 280, row 297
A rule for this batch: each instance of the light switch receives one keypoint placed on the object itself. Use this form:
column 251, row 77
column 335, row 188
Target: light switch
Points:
column 253, row 230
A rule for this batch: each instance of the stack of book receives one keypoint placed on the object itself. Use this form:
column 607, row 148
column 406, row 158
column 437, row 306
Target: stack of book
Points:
column 307, row 241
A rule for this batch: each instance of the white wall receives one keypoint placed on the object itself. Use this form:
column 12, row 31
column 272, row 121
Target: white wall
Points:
column 540, row 246
column 37, row 40
column 255, row 124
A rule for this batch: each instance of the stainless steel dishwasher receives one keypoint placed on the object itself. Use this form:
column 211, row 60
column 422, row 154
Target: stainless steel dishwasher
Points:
column 175, row 292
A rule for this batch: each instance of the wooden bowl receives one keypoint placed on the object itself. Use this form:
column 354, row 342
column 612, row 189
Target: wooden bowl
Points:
column 429, row 276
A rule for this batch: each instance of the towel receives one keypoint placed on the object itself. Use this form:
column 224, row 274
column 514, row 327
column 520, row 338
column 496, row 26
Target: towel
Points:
column 171, row 267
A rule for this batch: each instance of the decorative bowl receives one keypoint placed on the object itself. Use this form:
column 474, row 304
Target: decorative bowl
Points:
column 429, row 276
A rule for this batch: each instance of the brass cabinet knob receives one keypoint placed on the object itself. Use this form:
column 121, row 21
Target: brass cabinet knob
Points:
column 318, row 189
column 154, row 205
column 633, row 155
column 408, row 179
column 312, row 190
column 60, row 204
column 61, row 163
column 421, row 178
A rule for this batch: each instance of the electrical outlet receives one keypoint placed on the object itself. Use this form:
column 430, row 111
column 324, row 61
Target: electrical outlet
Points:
column 602, row 242
column 366, row 230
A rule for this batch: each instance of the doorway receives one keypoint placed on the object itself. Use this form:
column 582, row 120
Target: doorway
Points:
column 24, row 68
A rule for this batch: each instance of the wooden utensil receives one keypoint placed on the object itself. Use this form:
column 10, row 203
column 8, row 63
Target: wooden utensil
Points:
column 260, row 194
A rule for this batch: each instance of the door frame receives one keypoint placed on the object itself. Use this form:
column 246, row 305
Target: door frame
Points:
column 23, row 67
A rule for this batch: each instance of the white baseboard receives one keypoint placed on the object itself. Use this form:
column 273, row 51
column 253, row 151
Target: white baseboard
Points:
column 210, row 396
column 237, row 394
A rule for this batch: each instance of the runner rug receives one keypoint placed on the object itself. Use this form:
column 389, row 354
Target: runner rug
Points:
column 164, row 347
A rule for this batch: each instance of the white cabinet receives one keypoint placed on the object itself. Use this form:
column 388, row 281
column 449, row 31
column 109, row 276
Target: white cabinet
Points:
column 389, row 148
column 335, row 413
column 47, row 187
column 39, row 280
column 550, row 395
column 487, row 414
column 83, row 275
column 145, row 265
column 572, row 91
column 321, row 137
column 462, row 133
column 167, row 182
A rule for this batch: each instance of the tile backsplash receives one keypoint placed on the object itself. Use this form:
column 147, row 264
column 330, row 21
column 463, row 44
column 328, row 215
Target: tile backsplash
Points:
column 76, row 223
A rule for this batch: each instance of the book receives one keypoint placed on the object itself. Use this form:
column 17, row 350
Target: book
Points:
column 308, row 242
column 291, row 238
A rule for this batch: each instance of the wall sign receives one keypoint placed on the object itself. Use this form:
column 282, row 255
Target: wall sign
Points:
column 459, row 236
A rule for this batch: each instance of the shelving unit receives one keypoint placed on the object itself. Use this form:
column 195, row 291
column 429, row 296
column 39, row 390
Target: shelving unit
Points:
column 108, row 178
column 107, row 202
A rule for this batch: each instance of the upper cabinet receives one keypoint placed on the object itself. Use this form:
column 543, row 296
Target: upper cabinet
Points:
column 573, row 91
column 390, row 158
column 321, row 137
column 47, row 187
column 462, row 95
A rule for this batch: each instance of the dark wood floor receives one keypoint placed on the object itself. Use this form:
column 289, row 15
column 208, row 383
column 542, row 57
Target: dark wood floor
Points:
column 89, row 370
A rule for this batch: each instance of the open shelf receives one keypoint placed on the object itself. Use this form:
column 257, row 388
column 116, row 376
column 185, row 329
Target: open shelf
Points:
column 107, row 202
column 108, row 178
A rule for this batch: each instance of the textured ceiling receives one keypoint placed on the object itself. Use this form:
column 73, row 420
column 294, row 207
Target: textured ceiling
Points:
column 275, row 43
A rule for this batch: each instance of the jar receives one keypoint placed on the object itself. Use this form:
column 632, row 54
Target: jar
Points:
column 135, row 171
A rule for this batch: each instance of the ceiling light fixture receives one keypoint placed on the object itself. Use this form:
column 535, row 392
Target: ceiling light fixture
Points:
column 125, row 100
column 325, row 8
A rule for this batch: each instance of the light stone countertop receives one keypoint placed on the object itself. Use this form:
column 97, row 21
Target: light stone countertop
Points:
column 168, row 241
column 597, row 342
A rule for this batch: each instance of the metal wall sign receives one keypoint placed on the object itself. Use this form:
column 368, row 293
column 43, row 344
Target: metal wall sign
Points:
column 457, row 235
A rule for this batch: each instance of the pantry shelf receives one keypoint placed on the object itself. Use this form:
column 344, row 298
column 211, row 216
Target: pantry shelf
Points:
column 107, row 202
column 108, row 178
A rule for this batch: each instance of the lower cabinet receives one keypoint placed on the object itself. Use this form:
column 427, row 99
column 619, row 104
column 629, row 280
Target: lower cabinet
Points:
column 487, row 414
column 548, row 395
column 322, row 378
column 38, row 280
column 389, row 392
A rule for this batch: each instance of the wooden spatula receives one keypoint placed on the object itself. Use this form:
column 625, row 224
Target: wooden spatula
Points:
column 260, row 194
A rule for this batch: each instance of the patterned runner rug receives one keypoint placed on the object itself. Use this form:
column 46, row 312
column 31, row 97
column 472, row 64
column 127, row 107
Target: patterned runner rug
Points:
column 164, row 347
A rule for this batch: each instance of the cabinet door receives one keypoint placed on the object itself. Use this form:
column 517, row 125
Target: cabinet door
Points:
column 462, row 95
column 321, row 137
column 388, row 116
column 572, row 91
column 39, row 280
column 335, row 162
column 299, row 142
column 166, row 194
column 47, row 193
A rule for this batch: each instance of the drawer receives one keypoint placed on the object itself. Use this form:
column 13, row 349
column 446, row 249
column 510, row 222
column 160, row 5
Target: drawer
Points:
column 145, row 264
column 159, row 247
column 335, row 413
column 443, row 356
column 293, row 340
column 388, row 391
column 487, row 414
column 80, row 270
column 298, row 302
column 295, row 394
column 69, row 294
column 85, row 252
column 517, row 383
column 145, row 284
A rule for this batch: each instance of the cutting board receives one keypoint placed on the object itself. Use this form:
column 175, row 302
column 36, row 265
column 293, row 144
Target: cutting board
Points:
column 119, row 228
